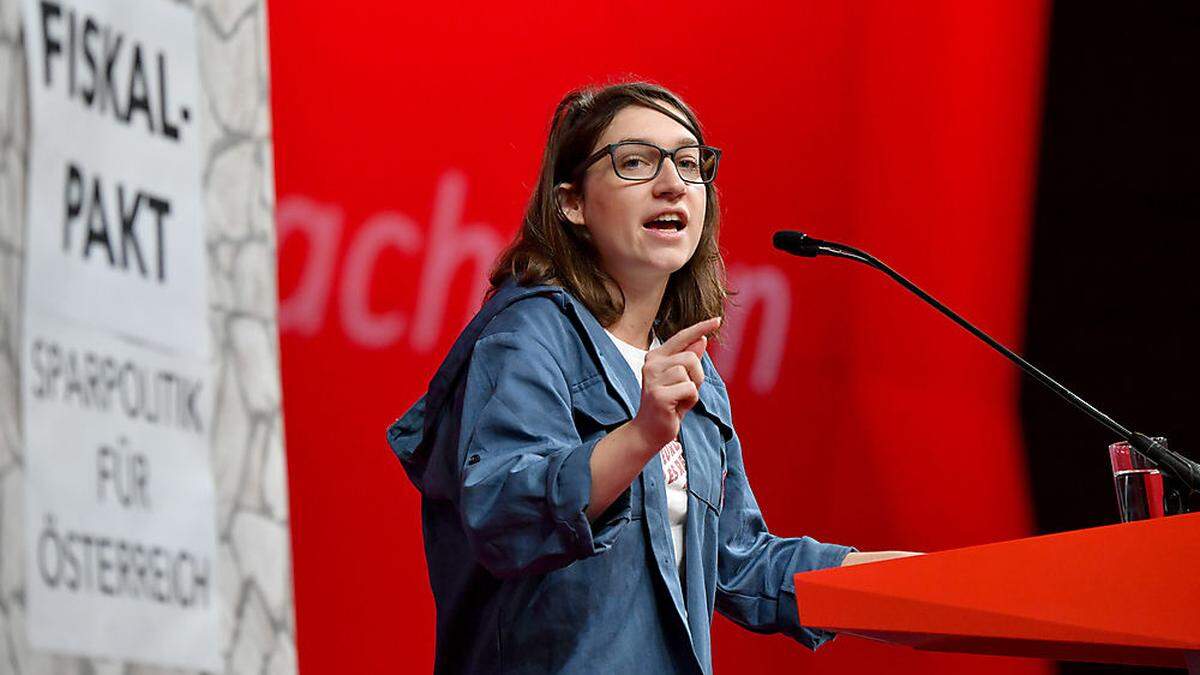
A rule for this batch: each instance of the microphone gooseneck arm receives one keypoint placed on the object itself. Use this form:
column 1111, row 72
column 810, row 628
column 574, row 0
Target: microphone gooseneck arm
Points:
column 1187, row 471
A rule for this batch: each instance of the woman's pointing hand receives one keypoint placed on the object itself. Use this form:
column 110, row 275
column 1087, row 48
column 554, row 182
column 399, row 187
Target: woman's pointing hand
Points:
column 671, row 380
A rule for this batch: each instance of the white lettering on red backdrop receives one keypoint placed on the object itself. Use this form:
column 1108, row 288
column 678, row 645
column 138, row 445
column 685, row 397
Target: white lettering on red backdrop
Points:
column 765, row 287
column 441, row 250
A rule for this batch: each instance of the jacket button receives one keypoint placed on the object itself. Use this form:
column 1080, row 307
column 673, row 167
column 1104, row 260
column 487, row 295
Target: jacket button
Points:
column 474, row 459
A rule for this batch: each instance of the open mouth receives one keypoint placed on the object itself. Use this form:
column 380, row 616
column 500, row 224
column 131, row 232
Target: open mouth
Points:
column 670, row 222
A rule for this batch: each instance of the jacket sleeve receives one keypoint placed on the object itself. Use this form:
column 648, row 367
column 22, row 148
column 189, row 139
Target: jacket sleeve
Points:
column 754, row 567
column 526, row 475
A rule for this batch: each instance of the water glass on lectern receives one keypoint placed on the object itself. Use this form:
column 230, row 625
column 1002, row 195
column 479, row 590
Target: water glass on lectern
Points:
column 1138, row 481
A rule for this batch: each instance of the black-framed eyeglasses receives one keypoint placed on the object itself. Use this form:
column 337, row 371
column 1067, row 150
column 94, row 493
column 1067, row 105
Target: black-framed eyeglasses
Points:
column 641, row 161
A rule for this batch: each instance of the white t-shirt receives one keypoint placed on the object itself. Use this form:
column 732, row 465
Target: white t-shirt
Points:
column 674, row 467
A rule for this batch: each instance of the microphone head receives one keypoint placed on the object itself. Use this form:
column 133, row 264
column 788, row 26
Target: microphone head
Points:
column 796, row 243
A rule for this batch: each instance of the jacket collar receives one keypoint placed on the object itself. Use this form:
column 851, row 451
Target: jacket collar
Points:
column 610, row 362
column 443, row 381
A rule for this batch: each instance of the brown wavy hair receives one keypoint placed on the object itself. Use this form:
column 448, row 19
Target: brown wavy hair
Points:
column 549, row 249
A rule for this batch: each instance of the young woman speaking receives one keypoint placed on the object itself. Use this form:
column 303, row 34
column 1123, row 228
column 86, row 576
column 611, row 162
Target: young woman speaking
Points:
column 585, row 503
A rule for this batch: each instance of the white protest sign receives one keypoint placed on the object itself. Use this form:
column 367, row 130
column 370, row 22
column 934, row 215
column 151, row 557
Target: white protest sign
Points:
column 120, row 524
column 115, row 231
column 117, row 386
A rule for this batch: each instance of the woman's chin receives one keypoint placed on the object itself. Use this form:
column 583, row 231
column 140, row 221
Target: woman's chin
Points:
column 663, row 265
column 649, row 267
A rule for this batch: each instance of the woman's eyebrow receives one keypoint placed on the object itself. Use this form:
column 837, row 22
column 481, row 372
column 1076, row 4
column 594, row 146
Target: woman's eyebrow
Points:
column 681, row 141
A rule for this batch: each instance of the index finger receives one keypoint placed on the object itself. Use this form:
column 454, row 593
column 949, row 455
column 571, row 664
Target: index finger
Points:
column 688, row 335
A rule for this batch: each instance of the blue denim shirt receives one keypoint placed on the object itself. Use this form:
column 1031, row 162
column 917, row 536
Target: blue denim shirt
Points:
column 499, row 447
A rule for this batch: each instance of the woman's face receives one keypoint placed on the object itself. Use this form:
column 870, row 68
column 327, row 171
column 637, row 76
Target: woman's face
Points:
column 624, row 217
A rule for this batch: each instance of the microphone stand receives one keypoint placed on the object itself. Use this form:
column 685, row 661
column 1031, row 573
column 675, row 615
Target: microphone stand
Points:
column 1182, row 468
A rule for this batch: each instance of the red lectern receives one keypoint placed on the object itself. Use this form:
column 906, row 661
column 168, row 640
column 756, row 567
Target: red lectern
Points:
column 1125, row 593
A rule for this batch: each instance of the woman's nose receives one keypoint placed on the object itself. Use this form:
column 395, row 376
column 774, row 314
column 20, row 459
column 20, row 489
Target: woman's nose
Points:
column 668, row 182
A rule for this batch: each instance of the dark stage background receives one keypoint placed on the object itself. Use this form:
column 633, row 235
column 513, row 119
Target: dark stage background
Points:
column 1114, row 302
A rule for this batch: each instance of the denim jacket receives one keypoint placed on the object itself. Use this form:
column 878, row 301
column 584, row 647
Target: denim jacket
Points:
column 500, row 446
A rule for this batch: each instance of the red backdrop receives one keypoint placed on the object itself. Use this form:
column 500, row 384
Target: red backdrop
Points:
column 407, row 137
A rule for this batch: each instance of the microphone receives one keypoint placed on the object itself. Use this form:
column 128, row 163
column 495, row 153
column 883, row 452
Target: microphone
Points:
column 1184, row 469
column 796, row 243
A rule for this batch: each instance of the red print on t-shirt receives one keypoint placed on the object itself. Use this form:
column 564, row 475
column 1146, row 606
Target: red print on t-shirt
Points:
column 673, row 464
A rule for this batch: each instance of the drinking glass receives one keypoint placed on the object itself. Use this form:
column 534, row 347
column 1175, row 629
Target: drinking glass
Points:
column 1138, row 481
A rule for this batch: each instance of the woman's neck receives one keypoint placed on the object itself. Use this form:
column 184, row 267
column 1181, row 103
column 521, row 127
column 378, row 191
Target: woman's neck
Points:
column 641, row 308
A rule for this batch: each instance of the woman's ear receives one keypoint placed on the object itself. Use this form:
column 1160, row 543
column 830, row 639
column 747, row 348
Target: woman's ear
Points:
column 570, row 203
